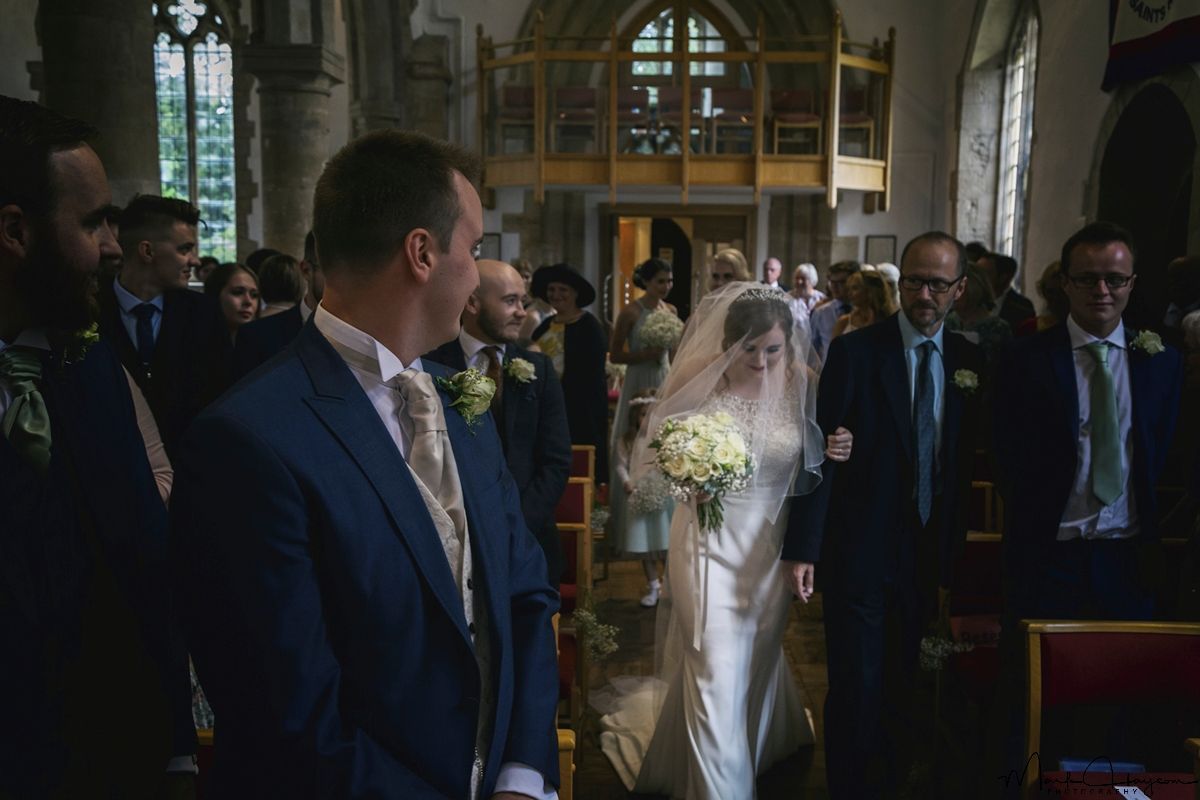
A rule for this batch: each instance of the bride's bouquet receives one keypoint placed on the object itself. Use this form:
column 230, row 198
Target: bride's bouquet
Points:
column 662, row 330
column 704, row 454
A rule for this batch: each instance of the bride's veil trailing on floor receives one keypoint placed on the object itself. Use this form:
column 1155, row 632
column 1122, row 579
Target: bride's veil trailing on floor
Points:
column 729, row 324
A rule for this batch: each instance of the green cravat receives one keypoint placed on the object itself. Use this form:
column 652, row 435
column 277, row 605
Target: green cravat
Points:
column 26, row 423
column 1108, row 479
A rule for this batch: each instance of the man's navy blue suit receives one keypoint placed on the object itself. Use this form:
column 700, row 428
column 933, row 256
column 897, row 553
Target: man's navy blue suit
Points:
column 536, row 439
column 321, row 611
column 1036, row 434
column 878, row 567
column 258, row 341
column 94, row 664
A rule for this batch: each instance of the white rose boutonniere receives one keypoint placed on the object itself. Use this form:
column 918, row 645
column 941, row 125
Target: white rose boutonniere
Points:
column 1149, row 341
column 472, row 392
column 966, row 380
column 520, row 370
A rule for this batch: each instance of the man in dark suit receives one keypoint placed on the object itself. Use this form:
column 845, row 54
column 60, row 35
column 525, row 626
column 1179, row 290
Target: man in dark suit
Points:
column 529, row 410
column 1011, row 306
column 1084, row 415
column 171, row 340
column 885, row 526
column 261, row 339
column 367, row 612
column 97, row 701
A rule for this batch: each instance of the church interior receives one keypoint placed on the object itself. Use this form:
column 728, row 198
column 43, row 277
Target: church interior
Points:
column 613, row 131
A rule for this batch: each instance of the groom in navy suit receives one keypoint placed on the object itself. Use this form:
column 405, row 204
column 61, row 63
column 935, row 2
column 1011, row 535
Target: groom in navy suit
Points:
column 1085, row 412
column 529, row 410
column 367, row 611
column 885, row 526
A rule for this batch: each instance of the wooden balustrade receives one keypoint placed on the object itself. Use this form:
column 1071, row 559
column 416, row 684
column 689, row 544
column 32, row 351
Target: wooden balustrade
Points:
column 694, row 160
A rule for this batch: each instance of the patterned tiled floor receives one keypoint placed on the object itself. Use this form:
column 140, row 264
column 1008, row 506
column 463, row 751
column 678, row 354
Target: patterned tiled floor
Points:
column 798, row 778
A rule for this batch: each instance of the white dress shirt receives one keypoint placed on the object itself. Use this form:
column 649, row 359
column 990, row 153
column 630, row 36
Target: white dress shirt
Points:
column 373, row 366
column 305, row 311
column 1084, row 515
column 473, row 351
column 127, row 302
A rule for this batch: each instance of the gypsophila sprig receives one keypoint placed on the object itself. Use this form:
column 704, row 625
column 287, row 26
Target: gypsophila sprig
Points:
column 598, row 518
column 661, row 330
column 520, row 370
column 472, row 392
column 1148, row 341
column 599, row 639
column 650, row 496
column 966, row 380
column 936, row 650
column 704, row 454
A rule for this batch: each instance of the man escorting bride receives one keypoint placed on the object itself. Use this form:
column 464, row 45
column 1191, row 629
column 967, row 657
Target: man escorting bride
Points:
column 724, row 706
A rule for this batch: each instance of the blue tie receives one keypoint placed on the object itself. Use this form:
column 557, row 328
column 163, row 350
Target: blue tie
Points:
column 924, row 423
column 145, row 331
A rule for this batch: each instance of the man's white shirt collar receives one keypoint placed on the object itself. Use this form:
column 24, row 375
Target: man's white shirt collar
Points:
column 34, row 338
column 359, row 349
column 305, row 311
column 1080, row 337
column 471, row 346
column 128, row 301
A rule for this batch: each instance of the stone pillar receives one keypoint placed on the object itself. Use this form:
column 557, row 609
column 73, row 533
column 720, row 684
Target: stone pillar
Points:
column 428, row 82
column 293, row 92
column 98, row 65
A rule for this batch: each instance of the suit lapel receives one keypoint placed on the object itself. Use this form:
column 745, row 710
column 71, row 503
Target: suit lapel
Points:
column 1141, row 381
column 170, row 330
column 117, row 335
column 514, row 395
column 345, row 410
column 1062, row 364
column 952, row 359
column 894, row 374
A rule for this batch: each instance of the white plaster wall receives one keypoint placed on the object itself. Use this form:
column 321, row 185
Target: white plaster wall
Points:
column 930, row 40
column 1068, row 108
column 18, row 45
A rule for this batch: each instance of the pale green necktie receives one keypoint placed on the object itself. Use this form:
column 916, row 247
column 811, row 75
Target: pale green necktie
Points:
column 1108, row 480
column 26, row 423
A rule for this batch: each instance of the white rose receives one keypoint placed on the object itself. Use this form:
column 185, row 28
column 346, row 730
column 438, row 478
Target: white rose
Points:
column 701, row 472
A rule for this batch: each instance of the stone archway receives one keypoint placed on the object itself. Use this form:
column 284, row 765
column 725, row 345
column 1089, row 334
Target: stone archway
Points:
column 1144, row 174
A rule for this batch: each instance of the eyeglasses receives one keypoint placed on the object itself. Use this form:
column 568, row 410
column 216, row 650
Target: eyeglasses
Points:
column 1112, row 280
column 936, row 285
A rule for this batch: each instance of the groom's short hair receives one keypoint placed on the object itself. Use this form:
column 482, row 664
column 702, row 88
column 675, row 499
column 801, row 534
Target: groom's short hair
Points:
column 379, row 188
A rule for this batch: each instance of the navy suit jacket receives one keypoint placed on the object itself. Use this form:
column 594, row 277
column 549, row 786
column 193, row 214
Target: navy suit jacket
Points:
column 258, row 341
column 191, row 356
column 322, row 615
column 1037, row 430
column 1016, row 308
column 537, row 442
column 110, row 530
column 858, row 518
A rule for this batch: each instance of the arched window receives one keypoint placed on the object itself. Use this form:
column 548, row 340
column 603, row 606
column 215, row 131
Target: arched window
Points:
column 193, row 70
column 1016, row 133
column 658, row 36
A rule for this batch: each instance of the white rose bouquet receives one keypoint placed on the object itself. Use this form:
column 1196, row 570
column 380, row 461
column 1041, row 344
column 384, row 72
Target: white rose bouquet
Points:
column 662, row 329
column 704, row 454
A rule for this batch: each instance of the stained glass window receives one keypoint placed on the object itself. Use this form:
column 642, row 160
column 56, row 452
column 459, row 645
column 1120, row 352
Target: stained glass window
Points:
column 193, row 66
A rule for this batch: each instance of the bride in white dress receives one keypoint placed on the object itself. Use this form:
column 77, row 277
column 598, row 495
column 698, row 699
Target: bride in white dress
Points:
column 723, row 706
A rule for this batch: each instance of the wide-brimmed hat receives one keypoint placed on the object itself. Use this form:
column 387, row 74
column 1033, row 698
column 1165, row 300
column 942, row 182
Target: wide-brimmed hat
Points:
column 563, row 273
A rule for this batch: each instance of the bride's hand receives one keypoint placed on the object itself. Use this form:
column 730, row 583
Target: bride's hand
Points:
column 838, row 445
column 800, row 578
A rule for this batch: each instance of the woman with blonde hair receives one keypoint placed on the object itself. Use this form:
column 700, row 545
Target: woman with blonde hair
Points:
column 728, row 265
column 872, row 302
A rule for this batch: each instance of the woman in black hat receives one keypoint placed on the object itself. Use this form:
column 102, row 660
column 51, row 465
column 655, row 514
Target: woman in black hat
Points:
column 575, row 341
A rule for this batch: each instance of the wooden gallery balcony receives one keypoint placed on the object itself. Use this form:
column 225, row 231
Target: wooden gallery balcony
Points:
column 803, row 115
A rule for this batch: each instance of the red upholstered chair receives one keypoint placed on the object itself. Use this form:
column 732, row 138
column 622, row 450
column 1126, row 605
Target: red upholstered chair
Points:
column 1104, row 663
column 583, row 461
column 854, row 115
column 670, row 112
column 736, row 115
column 794, row 109
column 575, row 112
column 976, row 600
column 516, row 113
column 573, row 516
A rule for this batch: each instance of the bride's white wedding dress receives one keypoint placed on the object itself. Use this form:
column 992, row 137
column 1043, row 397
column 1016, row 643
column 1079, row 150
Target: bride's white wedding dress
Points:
column 721, row 714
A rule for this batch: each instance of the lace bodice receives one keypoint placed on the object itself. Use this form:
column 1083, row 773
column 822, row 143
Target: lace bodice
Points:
column 778, row 418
